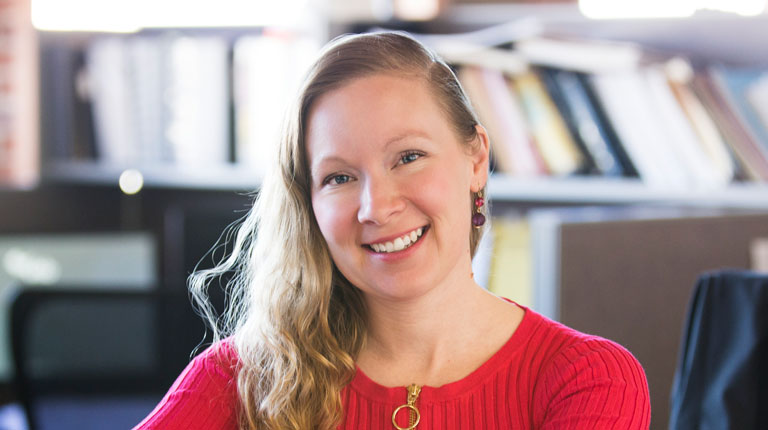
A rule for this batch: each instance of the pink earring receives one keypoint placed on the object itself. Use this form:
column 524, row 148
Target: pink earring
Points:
column 478, row 219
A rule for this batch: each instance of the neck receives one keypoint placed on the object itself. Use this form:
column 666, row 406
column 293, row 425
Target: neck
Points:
column 420, row 336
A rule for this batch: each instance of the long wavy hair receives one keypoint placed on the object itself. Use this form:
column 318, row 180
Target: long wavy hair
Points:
column 296, row 323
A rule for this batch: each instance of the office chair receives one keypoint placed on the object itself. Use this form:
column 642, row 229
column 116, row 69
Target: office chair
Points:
column 722, row 375
column 88, row 359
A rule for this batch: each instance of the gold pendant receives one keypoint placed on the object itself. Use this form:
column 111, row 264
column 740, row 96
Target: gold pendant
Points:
column 413, row 412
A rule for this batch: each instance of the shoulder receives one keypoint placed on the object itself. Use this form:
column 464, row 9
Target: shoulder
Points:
column 594, row 378
column 213, row 371
column 203, row 396
column 556, row 343
column 219, row 361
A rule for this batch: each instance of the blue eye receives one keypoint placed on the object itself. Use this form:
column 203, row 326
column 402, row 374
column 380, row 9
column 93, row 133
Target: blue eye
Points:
column 410, row 157
column 337, row 179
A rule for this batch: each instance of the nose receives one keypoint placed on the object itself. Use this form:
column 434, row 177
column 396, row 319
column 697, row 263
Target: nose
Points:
column 380, row 199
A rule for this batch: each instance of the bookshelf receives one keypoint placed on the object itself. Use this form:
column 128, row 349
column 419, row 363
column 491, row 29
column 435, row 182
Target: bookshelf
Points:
column 692, row 37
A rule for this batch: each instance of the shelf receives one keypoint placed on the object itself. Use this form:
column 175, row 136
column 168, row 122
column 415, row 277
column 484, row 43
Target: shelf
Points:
column 586, row 190
column 572, row 190
column 208, row 177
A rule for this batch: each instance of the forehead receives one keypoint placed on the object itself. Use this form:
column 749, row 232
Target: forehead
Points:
column 373, row 108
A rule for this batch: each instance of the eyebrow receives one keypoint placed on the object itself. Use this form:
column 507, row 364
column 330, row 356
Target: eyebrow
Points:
column 329, row 159
column 405, row 135
column 316, row 170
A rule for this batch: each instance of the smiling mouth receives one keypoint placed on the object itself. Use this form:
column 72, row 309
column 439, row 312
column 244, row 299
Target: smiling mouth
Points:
column 403, row 242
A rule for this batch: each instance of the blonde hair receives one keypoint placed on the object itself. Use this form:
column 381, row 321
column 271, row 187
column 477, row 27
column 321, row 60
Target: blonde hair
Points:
column 296, row 323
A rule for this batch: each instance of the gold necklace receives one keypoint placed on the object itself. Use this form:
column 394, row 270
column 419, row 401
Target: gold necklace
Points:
column 413, row 412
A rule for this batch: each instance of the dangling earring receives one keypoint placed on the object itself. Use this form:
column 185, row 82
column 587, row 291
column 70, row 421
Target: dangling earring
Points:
column 478, row 219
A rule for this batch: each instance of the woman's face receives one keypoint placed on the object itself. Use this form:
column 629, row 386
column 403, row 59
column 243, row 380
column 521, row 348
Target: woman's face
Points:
column 391, row 186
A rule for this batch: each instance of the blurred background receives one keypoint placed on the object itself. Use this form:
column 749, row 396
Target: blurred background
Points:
column 630, row 154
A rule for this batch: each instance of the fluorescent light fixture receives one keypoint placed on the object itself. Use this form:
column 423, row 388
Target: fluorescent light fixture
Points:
column 607, row 9
column 417, row 10
column 84, row 15
column 123, row 16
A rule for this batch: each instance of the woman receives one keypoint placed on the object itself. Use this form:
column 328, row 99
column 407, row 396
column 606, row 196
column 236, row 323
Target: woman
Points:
column 355, row 307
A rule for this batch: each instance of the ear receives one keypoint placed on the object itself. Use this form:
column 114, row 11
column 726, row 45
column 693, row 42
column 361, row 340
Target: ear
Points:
column 480, row 159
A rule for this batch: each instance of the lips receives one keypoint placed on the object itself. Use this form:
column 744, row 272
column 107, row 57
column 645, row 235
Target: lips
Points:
column 399, row 243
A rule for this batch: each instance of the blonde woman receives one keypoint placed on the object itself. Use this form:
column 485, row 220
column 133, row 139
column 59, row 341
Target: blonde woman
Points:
column 355, row 306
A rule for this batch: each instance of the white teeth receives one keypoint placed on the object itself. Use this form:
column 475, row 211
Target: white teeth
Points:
column 400, row 243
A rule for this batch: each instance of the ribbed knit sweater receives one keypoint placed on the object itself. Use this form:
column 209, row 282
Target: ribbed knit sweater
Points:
column 546, row 376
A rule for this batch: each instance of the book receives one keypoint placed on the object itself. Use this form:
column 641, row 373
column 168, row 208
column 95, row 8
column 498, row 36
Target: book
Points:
column 724, row 167
column 503, row 60
column 160, row 99
column 198, row 94
column 511, row 264
column 58, row 76
column 83, row 142
column 148, row 59
column 735, row 84
column 115, row 127
column 680, row 138
column 560, row 153
column 586, row 127
column 267, row 70
column 628, row 101
column 743, row 143
column 454, row 45
column 515, row 145
column 581, row 54
column 757, row 95
column 483, row 259
column 19, row 138
column 613, row 138
column 471, row 80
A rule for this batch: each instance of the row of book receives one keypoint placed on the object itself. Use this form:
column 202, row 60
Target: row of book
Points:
column 179, row 99
column 574, row 107
column 551, row 107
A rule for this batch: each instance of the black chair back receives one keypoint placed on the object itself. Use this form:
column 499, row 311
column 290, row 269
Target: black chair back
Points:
column 88, row 359
column 722, row 375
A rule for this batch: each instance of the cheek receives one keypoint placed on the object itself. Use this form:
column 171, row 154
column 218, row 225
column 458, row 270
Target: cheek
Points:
column 443, row 195
column 331, row 216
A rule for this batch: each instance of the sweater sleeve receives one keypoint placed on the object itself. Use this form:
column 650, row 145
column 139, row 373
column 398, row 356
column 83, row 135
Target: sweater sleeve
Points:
column 595, row 384
column 204, row 396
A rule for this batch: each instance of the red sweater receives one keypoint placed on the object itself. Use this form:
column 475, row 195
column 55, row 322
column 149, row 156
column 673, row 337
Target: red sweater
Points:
column 547, row 376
